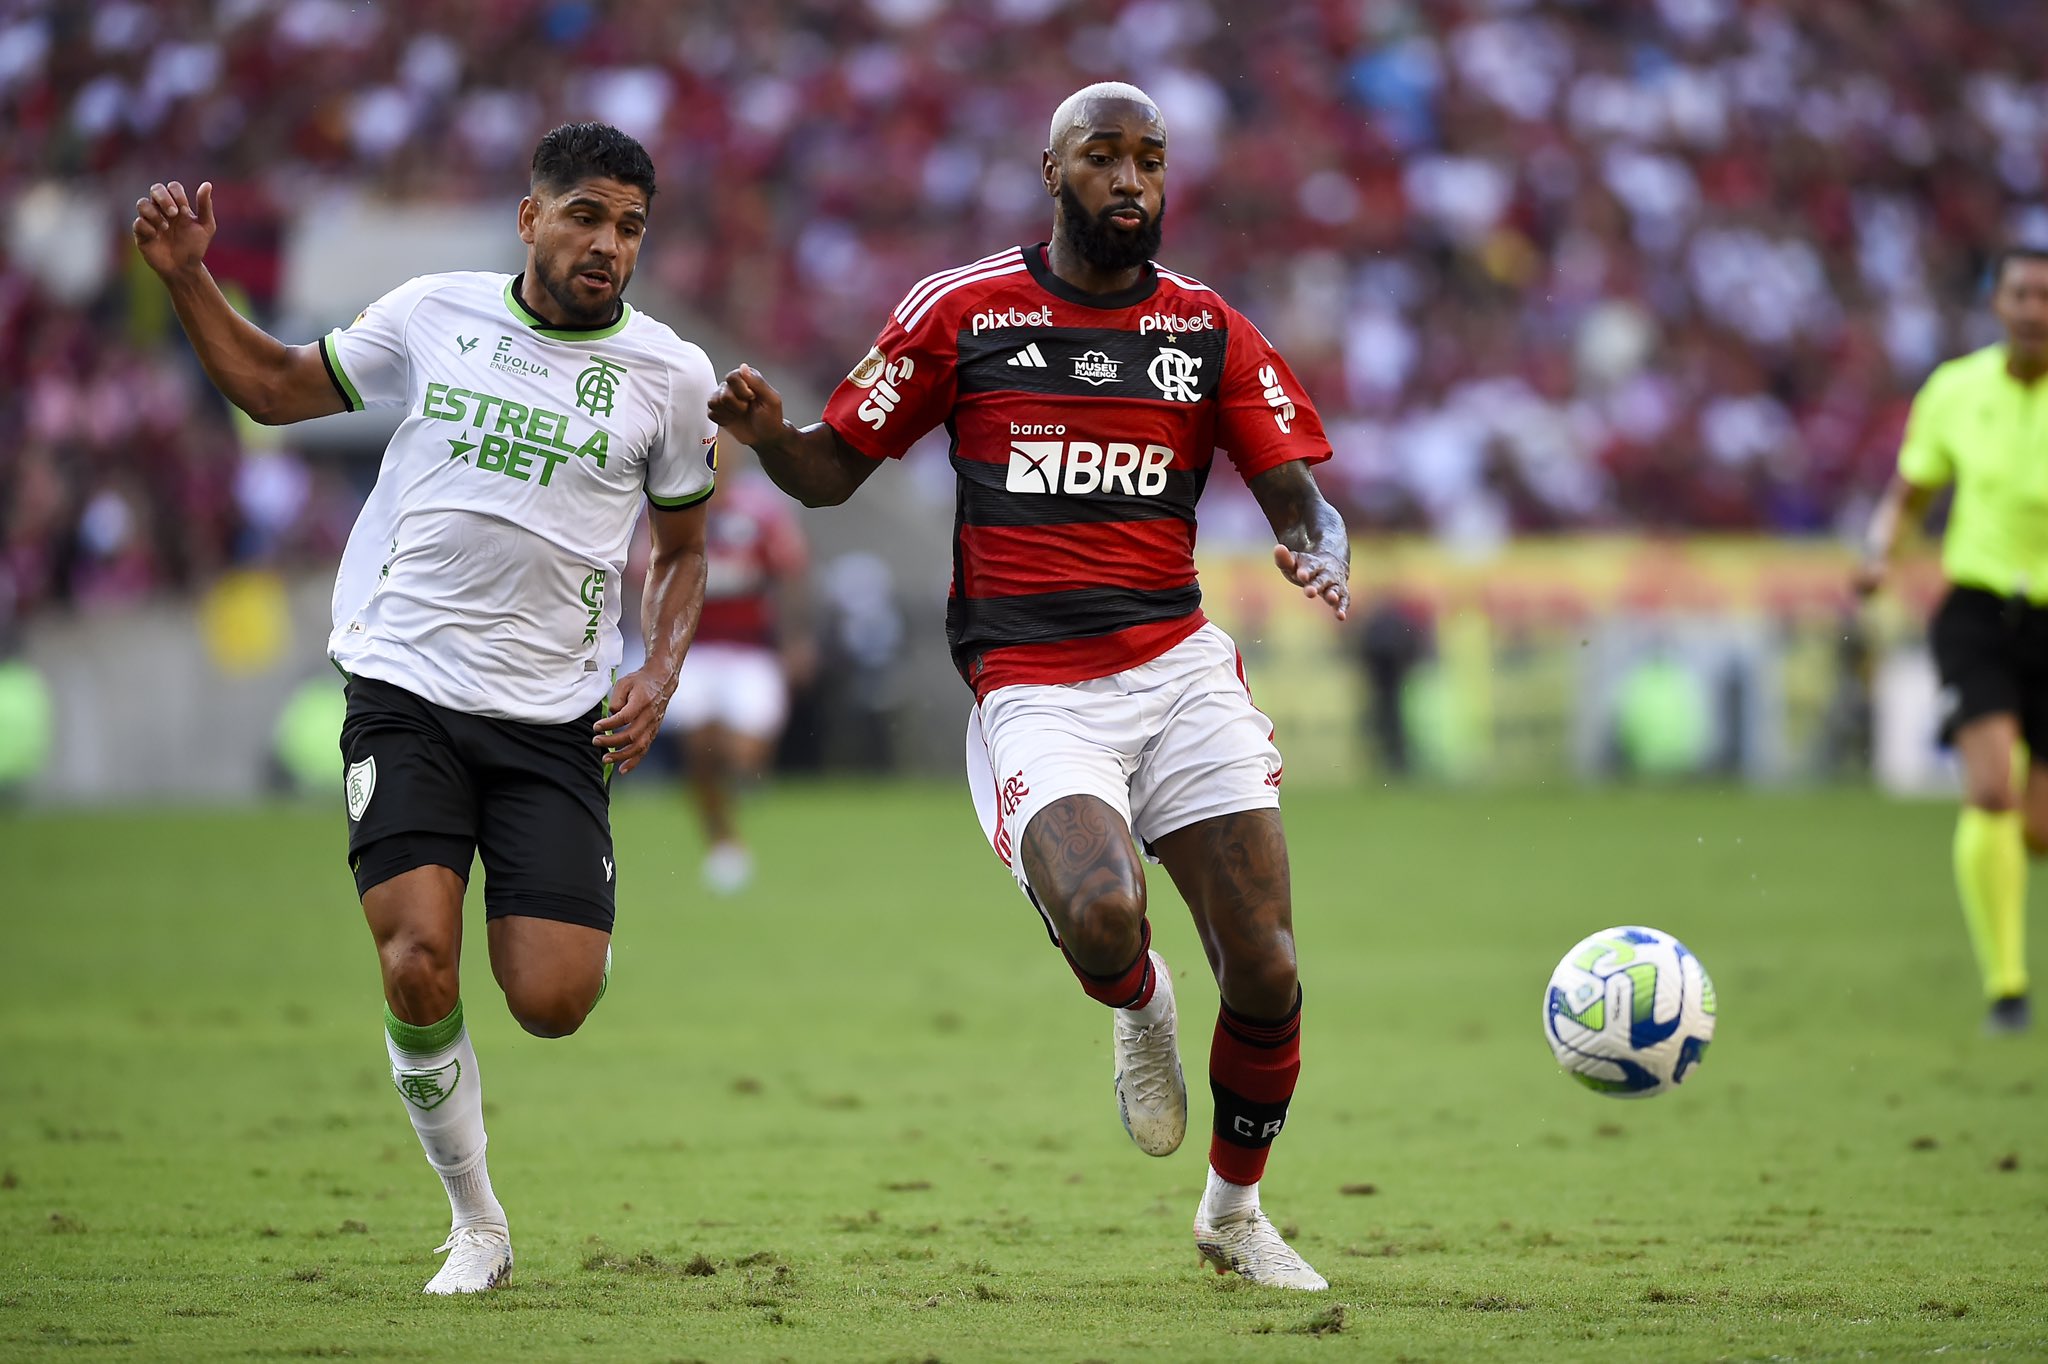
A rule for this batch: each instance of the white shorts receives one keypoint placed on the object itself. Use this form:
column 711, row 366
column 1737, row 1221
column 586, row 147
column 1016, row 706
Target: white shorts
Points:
column 739, row 686
column 1164, row 744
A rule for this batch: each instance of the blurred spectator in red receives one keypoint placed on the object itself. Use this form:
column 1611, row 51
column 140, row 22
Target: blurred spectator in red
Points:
column 1545, row 263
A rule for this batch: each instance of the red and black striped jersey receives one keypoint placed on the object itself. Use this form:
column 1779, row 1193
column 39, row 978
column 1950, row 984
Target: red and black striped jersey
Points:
column 1083, row 427
column 752, row 544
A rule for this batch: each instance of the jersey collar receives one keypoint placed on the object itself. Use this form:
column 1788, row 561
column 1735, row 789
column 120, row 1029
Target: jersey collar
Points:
column 1147, row 285
column 533, row 321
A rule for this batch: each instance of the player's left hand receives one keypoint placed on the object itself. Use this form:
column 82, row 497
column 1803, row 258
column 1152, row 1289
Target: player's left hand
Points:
column 1318, row 575
column 637, row 705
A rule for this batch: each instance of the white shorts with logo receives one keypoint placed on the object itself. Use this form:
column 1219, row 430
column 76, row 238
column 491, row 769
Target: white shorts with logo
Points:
column 1164, row 744
column 739, row 686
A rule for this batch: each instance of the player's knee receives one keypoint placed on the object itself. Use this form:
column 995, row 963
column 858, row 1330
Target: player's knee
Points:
column 552, row 1012
column 421, row 970
column 1264, row 986
column 1103, row 926
column 2037, row 837
column 1991, row 796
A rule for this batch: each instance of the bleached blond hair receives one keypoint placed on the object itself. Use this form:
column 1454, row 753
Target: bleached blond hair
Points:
column 1070, row 113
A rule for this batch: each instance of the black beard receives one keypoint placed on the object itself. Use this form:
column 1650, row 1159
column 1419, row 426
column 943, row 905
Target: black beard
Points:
column 1106, row 247
column 573, row 316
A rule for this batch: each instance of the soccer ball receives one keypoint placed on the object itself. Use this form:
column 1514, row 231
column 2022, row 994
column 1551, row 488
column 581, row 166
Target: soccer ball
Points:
column 1629, row 1012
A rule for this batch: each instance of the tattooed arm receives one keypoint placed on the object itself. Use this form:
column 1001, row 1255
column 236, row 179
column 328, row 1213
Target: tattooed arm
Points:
column 1314, row 552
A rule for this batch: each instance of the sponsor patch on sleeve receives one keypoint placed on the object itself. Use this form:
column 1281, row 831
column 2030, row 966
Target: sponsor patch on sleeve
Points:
column 869, row 369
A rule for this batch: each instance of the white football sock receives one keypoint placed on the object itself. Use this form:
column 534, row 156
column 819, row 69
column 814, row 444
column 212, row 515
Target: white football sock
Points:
column 1222, row 1199
column 436, row 1075
column 1153, row 1009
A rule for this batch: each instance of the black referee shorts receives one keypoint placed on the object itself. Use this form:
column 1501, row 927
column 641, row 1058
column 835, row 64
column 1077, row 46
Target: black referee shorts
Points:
column 1992, row 654
column 428, row 786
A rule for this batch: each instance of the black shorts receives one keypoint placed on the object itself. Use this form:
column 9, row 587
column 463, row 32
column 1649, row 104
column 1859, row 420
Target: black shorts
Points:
column 1992, row 654
column 428, row 786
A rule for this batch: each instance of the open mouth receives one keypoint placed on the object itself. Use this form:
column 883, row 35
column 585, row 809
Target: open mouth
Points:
column 595, row 279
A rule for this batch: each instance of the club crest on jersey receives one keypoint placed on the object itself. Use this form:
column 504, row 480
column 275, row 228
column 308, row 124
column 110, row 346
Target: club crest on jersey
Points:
column 362, row 784
column 597, row 385
column 1095, row 367
column 1175, row 373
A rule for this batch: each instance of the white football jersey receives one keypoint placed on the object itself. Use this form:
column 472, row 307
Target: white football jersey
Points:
column 483, row 571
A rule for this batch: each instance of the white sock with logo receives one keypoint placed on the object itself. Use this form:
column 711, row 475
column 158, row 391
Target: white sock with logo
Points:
column 434, row 1069
column 1222, row 1200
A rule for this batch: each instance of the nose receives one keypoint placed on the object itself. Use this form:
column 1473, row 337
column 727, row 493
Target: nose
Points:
column 1126, row 183
column 605, row 242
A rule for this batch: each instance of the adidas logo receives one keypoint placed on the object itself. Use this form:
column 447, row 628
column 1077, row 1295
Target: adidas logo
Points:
column 1028, row 358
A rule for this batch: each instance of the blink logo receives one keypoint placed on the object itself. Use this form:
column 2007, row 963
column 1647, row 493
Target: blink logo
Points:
column 1079, row 467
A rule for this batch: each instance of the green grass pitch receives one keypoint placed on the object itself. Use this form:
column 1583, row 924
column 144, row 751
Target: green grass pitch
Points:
column 863, row 1113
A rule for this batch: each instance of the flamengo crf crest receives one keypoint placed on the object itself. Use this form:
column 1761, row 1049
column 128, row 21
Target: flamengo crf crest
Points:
column 428, row 1089
column 362, row 784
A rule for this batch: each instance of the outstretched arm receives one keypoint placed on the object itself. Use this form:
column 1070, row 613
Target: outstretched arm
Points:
column 670, row 608
column 1314, row 552
column 812, row 464
column 1903, row 505
column 272, row 382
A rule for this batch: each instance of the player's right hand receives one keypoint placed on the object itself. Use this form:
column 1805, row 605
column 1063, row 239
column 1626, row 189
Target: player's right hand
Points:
column 747, row 406
column 171, row 230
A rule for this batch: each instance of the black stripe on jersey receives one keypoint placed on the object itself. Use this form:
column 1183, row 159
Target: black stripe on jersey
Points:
column 327, row 363
column 985, row 500
column 1093, row 362
column 976, row 625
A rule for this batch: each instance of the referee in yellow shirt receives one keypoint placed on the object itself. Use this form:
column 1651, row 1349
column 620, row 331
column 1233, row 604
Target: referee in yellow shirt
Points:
column 1981, row 423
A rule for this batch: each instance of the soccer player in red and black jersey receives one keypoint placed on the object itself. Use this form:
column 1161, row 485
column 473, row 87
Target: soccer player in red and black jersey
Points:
column 1086, row 390
column 752, row 643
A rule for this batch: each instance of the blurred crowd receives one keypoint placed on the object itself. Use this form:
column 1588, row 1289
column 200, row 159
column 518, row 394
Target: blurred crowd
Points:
column 1545, row 264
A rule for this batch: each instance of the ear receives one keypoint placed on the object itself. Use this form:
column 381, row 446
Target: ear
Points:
column 1049, row 171
column 529, row 214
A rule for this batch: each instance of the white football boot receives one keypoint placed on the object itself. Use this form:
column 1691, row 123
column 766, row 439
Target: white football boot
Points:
column 1151, row 1092
column 479, row 1259
column 728, row 868
column 1247, row 1245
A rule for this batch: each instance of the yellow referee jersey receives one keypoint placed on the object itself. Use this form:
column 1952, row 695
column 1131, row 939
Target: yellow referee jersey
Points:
column 1976, row 426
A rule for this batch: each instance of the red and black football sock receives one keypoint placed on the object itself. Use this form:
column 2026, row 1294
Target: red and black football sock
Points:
column 1130, row 988
column 1253, row 1064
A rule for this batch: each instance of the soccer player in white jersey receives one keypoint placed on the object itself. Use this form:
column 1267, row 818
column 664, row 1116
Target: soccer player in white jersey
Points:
column 475, row 613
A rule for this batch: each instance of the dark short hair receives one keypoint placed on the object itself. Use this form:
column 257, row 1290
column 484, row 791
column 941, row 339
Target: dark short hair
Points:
column 2028, row 251
column 576, row 152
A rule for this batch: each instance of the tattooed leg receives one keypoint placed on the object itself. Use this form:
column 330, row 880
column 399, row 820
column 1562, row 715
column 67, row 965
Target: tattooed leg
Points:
column 1077, row 852
column 1232, row 871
